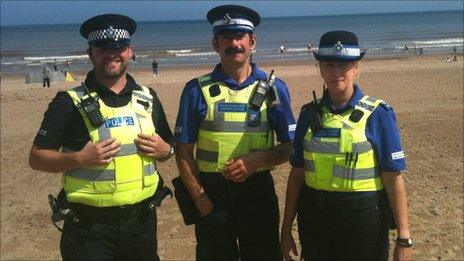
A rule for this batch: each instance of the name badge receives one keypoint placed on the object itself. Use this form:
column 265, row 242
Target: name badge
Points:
column 232, row 107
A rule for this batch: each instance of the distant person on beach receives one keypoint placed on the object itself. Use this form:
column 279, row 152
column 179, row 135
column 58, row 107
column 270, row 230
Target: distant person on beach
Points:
column 46, row 73
column 55, row 66
column 421, row 50
column 346, row 167
column 68, row 65
column 154, row 67
column 454, row 49
column 229, row 179
column 282, row 51
column 309, row 47
column 107, row 147
column 406, row 48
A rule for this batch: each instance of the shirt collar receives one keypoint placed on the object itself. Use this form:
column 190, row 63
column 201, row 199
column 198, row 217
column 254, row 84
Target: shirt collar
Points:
column 93, row 85
column 357, row 95
column 256, row 74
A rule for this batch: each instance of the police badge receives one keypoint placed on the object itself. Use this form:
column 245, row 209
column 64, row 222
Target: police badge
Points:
column 226, row 19
column 338, row 46
column 110, row 32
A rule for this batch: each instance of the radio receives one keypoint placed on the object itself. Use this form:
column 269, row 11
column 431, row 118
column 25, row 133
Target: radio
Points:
column 261, row 91
column 92, row 108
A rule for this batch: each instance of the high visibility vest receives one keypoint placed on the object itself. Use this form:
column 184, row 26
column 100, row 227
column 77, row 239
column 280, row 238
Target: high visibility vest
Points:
column 339, row 157
column 224, row 133
column 130, row 177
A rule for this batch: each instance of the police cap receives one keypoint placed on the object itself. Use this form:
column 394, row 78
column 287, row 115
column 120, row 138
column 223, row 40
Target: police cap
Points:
column 339, row 46
column 233, row 18
column 108, row 30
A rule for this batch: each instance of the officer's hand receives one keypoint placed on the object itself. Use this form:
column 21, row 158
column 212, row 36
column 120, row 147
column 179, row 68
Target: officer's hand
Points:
column 287, row 243
column 240, row 168
column 152, row 146
column 101, row 153
column 402, row 253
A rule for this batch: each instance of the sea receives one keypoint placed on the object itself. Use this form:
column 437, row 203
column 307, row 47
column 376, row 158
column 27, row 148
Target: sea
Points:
column 173, row 43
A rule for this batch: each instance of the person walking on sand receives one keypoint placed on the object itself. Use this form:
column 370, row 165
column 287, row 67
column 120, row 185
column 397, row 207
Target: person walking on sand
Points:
column 55, row 66
column 106, row 136
column 46, row 73
column 346, row 183
column 229, row 179
column 68, row 65
column 154, row 67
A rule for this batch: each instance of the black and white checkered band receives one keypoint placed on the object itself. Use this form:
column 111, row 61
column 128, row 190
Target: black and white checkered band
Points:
column 108, row 33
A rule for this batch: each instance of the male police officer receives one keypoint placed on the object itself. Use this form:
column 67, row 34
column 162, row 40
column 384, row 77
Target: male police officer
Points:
column 110, row 140
column 230, row 180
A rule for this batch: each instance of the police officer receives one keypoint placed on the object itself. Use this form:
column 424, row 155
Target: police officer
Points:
column 229, row 179
column 110, row 141
column 347, row 154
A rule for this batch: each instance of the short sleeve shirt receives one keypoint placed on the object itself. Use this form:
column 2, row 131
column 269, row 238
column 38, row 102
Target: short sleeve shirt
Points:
column 63, row 124
column 381, row 131
column 192, row 109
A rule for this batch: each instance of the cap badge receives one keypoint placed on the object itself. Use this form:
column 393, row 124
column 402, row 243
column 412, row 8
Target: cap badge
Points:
column 339, row 46
column 110, row 32
column 226, row 19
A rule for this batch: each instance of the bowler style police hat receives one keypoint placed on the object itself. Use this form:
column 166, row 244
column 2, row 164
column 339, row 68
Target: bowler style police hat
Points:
column 339, row 46
column 233, row 18
column 108, row 30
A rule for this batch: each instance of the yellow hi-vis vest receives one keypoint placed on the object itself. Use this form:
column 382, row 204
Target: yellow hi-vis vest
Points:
column 224, row 133
column 339, row 157
column 130, row 177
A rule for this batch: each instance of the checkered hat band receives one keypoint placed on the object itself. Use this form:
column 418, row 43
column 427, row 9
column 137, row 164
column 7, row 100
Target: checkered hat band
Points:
column 108, row 34
column 234, row 21
column 345, row 51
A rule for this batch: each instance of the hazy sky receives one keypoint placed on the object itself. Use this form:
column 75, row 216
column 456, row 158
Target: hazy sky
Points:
column 51, row 12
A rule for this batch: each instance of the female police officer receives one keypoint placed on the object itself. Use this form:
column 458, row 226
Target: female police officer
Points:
column 347, row 152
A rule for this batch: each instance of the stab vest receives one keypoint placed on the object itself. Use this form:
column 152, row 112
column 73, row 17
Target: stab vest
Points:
column 130, row 177
column 339, row 157
column 224, row 133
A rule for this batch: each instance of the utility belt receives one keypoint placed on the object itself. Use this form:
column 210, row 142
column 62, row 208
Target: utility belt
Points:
column 217, row 187
column 63, row 209
column 330, row 200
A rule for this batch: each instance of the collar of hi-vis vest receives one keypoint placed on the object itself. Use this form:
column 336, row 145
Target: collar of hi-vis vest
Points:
column 256, row 74
column 357, row 95
column 102, row 91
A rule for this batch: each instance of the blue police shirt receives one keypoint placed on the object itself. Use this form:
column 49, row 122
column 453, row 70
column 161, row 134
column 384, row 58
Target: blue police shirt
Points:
column 192, row 109
column 381, row 132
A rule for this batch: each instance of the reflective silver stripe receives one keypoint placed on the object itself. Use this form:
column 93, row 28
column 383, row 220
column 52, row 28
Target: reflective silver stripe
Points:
column 141, row 96
column 365, row 106
column 232, row 126
column 92, row 174
column 346, row 126
column 309, row 165
column 355, row 174
column 306, row 145
column 370, row 99
column 206, row 155
column 103, row 132
column 149, row 169
column 318, row 146
column 361, row 147
column 127, row 149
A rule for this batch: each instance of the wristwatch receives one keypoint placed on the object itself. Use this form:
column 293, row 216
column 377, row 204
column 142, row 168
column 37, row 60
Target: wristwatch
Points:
column 405, row 242
column 171, row 152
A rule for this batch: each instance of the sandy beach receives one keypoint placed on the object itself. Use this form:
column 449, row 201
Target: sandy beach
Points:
column 426, row 92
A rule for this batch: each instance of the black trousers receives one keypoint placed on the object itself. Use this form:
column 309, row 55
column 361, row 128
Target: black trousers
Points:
column 244, row 213
column 114, row 233
column 342, row 226
column 46, row 80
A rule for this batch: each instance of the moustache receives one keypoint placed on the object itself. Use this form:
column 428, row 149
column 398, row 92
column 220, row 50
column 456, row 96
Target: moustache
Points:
column 234, row 50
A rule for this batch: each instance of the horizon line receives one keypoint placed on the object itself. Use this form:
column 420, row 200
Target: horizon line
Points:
column 267, row 17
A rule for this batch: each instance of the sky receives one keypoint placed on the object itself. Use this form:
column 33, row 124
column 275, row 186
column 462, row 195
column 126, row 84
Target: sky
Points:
column 59, row 12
